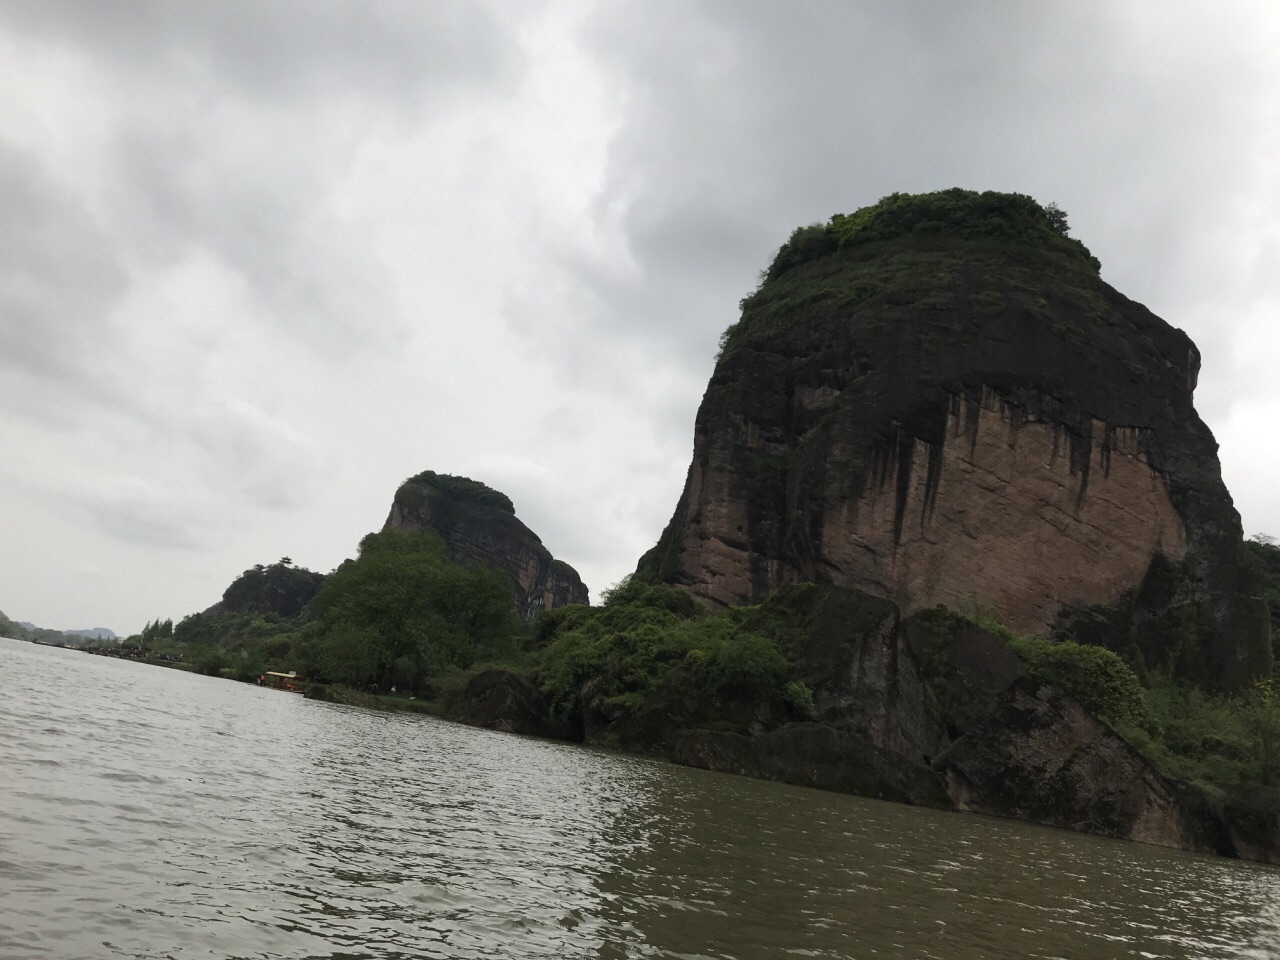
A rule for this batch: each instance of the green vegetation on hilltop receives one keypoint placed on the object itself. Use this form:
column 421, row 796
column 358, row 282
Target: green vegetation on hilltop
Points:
column 462, row 489
column 1008, row 217
column 280, row 589
column 955, row 258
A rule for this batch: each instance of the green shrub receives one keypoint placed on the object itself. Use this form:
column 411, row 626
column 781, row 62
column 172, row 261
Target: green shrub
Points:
column 463, row 489
column 403, row 611
column 1097, row 677
column 743, row 663
column 622, row 652
column 798, row 696
column 211, row 662
column 1261, row 716
column 1012, row 217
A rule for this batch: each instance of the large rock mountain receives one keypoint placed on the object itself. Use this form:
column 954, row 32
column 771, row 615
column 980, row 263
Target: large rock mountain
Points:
column 478, row 526
column 938, row 400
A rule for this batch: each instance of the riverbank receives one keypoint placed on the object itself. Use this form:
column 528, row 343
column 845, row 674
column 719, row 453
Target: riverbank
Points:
column 1087, row 778
column 868, row 723
column 330, row 693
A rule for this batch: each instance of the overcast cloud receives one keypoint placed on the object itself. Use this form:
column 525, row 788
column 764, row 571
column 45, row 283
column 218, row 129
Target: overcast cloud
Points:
column 260, row 261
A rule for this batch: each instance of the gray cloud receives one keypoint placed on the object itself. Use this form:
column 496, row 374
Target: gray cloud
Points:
column 291, row 50
column 213, row 149
column 260, row 261
column 59, row 273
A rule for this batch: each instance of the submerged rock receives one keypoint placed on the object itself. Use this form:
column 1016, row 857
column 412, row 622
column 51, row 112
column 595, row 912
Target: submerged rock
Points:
column 1041, row 757
column 500, row 700
column 815, row 755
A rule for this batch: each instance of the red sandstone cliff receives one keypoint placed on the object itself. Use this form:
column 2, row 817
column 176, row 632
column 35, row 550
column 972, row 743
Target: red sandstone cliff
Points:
column 970, row 416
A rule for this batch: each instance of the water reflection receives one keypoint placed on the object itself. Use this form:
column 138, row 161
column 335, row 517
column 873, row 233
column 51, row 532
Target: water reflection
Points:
column 748, row 869
column 150, row 813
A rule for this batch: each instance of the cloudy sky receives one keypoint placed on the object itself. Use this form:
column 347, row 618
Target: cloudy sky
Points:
column 260, row 261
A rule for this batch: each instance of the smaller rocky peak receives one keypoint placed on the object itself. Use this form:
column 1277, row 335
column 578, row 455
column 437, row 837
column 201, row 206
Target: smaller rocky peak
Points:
column 279, row 588
column 479, row 527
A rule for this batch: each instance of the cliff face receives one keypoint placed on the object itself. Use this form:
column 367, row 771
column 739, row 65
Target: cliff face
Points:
column 478, row 526
column 937, row 400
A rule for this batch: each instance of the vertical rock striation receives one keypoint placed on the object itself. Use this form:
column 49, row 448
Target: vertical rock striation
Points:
column 938, row 400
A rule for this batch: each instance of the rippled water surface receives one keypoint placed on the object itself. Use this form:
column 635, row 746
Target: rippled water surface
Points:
column 146, row 812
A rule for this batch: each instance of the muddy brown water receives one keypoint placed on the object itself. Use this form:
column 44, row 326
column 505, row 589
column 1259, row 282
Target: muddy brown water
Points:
column 147, row 812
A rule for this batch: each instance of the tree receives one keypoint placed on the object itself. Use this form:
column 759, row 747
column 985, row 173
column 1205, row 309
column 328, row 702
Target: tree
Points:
column 403, row 609
column 1057, row 219
column 1262, row 718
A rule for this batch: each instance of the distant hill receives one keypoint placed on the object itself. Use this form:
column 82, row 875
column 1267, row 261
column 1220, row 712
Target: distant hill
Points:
column 26, row 630
column 94, row 633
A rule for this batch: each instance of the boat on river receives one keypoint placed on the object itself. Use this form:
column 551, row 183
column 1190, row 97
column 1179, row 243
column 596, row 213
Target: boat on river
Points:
column 281, row 681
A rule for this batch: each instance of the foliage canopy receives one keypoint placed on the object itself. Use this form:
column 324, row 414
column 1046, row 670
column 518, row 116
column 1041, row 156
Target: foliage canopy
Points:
column 403, row 612
column 464, row 490
column 1011, row 217
column 646, row 637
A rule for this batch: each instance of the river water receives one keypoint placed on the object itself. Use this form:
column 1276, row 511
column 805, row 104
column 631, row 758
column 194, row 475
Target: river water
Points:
column 146, row 812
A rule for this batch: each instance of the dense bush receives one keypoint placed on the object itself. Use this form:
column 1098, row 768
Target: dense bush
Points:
column 281, row 589
column 211, row 662
column 644, row 636
column 1265, row 553
column 1098, row 678
column 1001, row 216
column 1186, row 732
column 403, row 611
column 464, row 490
column 799, row 697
